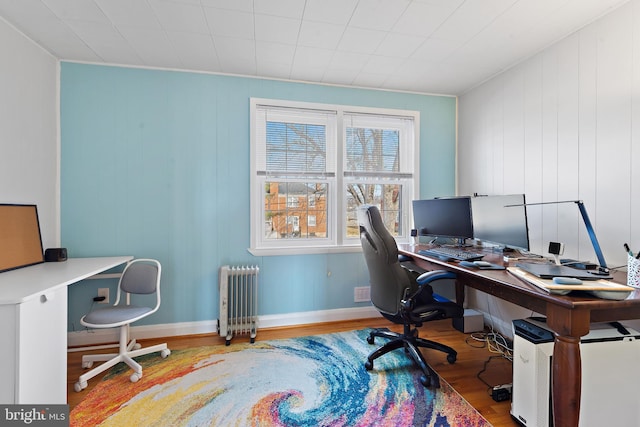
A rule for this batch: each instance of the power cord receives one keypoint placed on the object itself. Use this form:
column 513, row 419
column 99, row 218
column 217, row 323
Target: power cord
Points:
column 501, row 347
column 493, row 341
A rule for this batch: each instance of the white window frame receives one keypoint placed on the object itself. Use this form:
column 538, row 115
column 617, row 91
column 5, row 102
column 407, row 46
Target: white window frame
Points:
column 336, row 240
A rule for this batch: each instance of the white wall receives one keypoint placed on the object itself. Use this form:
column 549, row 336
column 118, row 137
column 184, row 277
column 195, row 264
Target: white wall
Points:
column 29, row 129
column 563, row 125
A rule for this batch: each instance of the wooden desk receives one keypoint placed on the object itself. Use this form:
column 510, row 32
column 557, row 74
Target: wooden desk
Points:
column 33, row 328
column 568, row 316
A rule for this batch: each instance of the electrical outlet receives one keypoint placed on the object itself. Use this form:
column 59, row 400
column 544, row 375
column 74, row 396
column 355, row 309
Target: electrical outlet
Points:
column 362, row 294
column 104, row 292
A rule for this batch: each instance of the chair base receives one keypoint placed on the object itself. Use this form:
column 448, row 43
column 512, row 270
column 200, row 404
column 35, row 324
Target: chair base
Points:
column 411, row 343
column 126, row 355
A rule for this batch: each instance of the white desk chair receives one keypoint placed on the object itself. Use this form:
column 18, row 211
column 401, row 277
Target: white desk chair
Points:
column 140, row 276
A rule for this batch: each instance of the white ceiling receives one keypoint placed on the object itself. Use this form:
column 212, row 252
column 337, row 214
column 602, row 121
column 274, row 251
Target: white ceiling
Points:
column 431, row 46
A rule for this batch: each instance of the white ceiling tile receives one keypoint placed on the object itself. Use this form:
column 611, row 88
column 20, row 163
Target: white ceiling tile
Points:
column 471, row 18
column 18, row 12
column 275, row 52
column 106, row 41
column 340, row 76
column 378, row 14
column 236, row 55
column 36, row 20
column 370, row 80
column 174, row 16
column 490, row 7
column 56, row 36
column 399, row 45
column 451, row 3
column 133, row 13
column 273, row 69
column 423, row 19
column 451, row 44
column 360, row 40
column 284, row 8
column 230, row 23
column 381, row 65
column 436, row 49
column 196, row 51
column 82, row 10
column 462, row 26
column 277, row 29
column 312, row 57
column 239, row 5
column 193, row 2
column 152, row 46
column 330, row 11
column 307, row 74
column 320, row 34
column 348, row 60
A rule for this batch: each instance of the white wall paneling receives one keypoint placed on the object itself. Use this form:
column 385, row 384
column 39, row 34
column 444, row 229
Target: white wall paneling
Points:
column 28, row 129
column 564, row 125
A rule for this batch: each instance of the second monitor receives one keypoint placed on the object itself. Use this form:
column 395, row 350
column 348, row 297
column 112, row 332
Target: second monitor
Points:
column 501, row 220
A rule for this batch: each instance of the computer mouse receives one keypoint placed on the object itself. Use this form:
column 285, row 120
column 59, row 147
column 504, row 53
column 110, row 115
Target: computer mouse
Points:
column 567, row 281
column 482, row 263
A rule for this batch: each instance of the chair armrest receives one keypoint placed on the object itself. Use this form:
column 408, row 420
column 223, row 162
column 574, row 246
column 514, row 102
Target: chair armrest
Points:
column 430, row 276
column 423, row 280
column 404, row 258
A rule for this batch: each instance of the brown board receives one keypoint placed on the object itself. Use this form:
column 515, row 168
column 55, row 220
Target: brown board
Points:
column 20, row 240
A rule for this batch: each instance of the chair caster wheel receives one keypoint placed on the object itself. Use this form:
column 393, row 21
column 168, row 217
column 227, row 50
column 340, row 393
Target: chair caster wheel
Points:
column 135, row 377
column 451, row 358
column 79, row 386
column 165, row 353
column 370, row 339
column 227, row 342
column 368, row 365
column 425, row 381
column 87, row 365
column 137, row 346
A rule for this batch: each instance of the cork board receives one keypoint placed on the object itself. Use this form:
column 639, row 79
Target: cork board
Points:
column 20, row 240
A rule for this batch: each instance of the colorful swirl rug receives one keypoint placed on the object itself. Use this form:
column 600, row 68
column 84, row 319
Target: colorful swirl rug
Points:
column 310, row 381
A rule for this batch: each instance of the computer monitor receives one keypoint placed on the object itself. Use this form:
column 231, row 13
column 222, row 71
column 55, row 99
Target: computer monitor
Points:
column 20, row 241
column 501, row 220
column 443, row 217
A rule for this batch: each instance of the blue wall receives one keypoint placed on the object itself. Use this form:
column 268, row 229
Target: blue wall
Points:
column 156, row 164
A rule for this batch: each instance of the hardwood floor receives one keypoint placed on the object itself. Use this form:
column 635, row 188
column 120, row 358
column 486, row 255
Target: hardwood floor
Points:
column 462, row 375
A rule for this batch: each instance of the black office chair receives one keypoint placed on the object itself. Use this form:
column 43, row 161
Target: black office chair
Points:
column 401, row 296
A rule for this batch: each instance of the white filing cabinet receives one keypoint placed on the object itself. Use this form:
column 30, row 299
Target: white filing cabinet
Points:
column 34, row 363
column 610, row 376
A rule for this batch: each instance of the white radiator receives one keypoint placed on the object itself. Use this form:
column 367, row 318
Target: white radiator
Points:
column 238, row 301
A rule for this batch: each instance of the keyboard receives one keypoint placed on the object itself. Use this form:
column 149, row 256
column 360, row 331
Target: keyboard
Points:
column 451, row 253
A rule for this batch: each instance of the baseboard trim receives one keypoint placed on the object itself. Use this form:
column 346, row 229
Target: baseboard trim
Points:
column 103, row 336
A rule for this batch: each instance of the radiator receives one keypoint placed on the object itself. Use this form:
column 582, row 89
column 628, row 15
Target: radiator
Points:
column 238, row 301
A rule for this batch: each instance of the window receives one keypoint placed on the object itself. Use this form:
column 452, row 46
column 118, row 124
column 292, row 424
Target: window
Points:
column 313, row 165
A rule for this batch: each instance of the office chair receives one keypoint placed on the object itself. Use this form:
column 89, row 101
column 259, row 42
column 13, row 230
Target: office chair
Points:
column 401, row 296
column 140, row 276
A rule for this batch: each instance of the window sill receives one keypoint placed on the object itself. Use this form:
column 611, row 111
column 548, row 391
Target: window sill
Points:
column 303, row 250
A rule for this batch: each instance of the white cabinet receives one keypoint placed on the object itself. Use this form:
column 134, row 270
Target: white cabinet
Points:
column 42, row 349
column 35, row 363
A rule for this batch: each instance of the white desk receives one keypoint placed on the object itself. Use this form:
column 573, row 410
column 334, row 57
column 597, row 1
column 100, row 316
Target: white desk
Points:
column 33, row 328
